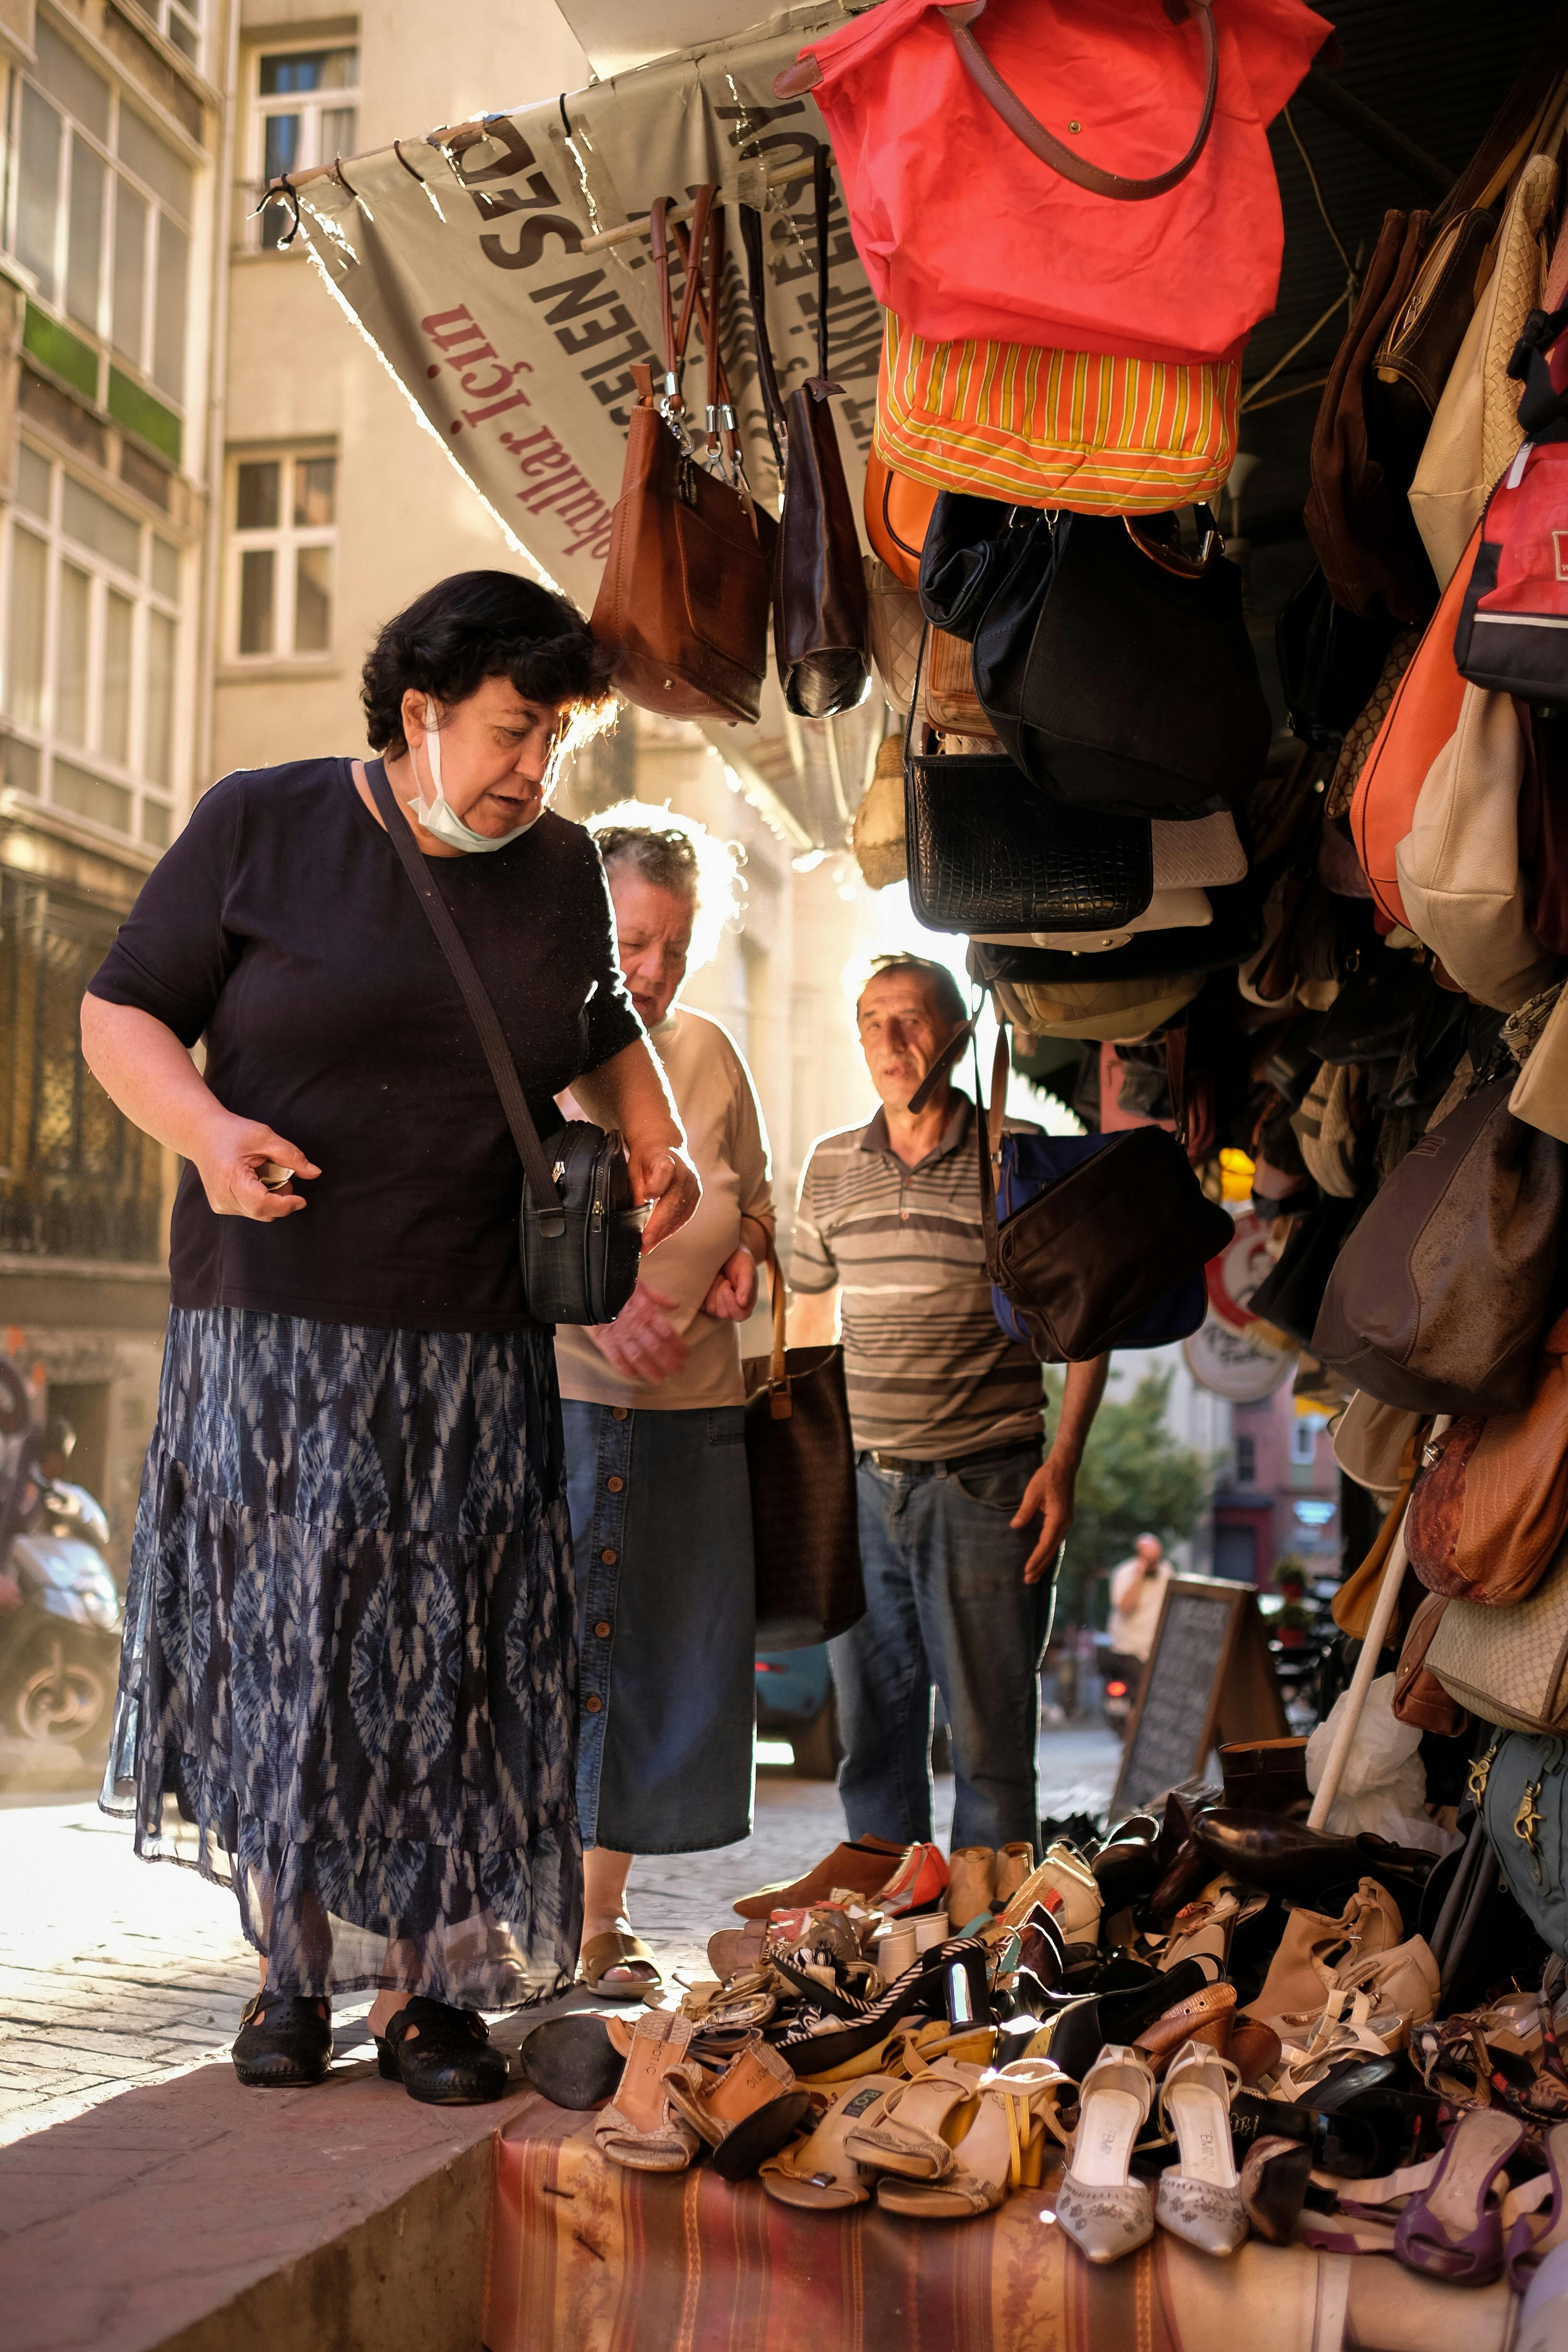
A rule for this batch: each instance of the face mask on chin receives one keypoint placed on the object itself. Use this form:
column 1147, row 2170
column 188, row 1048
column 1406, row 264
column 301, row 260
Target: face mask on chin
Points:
column 438, row 818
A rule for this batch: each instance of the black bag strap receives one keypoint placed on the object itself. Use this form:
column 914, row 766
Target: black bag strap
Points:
column 552, row 1224
column 757, row 295
column 821, row 189
column 988, row 1137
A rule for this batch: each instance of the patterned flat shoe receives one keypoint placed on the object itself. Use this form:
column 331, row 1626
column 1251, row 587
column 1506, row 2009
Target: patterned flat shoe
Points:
column 1199, row 2197
column 448, row 2063
column 284, row 2042
column 1105, row 2213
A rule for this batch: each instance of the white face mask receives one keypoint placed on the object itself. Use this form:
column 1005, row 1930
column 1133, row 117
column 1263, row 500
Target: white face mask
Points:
column 442, row 821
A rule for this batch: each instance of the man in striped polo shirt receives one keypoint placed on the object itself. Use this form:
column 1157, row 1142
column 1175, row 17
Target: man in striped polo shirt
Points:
column 960, row 1522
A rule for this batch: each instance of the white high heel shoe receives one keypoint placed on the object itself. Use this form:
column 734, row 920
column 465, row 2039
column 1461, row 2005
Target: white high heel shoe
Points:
column 1199, row 2197
column 1104, row 2212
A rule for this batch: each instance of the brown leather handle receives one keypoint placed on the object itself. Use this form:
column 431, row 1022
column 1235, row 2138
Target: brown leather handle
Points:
column 1040, row 141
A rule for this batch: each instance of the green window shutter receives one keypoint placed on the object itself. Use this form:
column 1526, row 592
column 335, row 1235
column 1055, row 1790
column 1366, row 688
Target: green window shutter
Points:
column 63, row 353
column 147, row 418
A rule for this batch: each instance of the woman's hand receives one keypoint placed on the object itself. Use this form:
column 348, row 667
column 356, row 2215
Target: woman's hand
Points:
column 642, row 1343
column 733, row 1292
column 232, row 1153
column 662, row 1173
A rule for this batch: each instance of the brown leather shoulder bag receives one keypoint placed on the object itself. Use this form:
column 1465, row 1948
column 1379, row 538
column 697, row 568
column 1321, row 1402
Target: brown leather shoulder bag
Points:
column 684, row 599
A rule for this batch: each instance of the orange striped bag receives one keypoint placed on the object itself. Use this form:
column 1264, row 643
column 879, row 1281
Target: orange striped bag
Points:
column 1051, row 429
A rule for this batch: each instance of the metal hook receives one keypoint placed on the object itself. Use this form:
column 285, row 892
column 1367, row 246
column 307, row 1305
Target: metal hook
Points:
column 338, row 177
column 397, row 150
column 284, row 187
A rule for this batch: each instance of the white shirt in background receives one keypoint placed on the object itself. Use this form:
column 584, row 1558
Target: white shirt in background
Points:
column 1136, row 1600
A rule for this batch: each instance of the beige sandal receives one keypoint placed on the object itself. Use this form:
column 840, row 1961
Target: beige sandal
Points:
column 911, row 2130
column 642, row 2127
column 618, row 1948
column 997, row 2144
column 819, row 2173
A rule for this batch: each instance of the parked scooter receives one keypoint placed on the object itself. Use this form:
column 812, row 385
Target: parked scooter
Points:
column 60, row 1613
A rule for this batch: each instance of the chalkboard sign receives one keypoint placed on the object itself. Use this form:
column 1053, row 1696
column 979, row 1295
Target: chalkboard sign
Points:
column 1209, row 1678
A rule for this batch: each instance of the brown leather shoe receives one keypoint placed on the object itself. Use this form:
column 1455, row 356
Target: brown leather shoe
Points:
column 862, row 1864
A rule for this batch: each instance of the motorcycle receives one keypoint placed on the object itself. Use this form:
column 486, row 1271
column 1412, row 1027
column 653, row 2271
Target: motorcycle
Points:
column 60, row 1610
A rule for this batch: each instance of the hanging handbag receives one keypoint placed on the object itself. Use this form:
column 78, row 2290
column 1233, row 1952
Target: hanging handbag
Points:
column 800, row 1457
column 988, row 850
column 1357, row 513
column 1513, row 622
column 819, row 588
column 877, row 835
column 1089, row 430
column 898, row 511
column 1104, row 1010
column 1508, row 1666
column 1489, row 1512
column 684, row 599
column 1147, row 959
column 894, row 626
column 1098, row 1251
column 579, row 1234
column 1330, row 661
column 1117, row 671
column 1159, row 236
column 1459, row 867
column 1421, row 716
column 1418, row 1696
column 1439, row 1298
column 950, row 702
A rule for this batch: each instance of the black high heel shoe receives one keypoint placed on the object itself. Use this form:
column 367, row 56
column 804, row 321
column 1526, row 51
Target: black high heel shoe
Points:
column 284, row 2042
column 449, row 2062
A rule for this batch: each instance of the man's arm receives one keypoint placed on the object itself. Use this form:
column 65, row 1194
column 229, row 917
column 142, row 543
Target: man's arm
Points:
column 1051, row 1489
column 814, row 1318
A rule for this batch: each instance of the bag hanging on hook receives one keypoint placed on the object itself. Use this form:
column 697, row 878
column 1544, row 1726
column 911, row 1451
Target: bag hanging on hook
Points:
column 684, row 599
column 819, row 583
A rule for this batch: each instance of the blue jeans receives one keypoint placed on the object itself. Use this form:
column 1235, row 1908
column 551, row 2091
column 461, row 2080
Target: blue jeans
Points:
column 946, row 1605
column 661, row 1542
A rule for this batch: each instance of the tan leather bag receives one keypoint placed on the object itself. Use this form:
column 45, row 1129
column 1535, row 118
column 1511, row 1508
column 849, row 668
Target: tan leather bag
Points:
column 1418, row 1696
column 1489, row 1511
column 1374, row 1443
column 1457, row 867
column 1476, row 430
column 894, row 626
column 950, row 703
column 1107, row 1009
column 684, row 599
column 877, row 835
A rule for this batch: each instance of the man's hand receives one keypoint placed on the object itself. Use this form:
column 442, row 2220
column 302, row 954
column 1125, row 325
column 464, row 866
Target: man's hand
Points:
column 1050, row 1494
column 642, row 1343
column 733, row 1291
column 233, row 1152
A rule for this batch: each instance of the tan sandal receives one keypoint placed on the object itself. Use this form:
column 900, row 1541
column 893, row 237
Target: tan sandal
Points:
column 618, row 1948
column 912, row 2129
column 746, row 2110
column 642, row 2127
column 997, row 2144
column 819, row 2173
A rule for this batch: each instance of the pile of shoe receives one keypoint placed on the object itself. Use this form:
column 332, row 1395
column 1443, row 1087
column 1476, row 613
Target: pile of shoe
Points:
column 1219, row 2021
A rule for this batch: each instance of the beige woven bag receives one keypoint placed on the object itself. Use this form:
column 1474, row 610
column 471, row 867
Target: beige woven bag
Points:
column 894, row 624
column 1508, row 1666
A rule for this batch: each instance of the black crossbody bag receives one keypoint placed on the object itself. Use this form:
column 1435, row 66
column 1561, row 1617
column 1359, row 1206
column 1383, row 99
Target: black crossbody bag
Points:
column 579, row 1234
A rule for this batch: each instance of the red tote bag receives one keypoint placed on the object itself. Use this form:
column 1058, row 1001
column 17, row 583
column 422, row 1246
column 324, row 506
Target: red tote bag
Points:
column 1087, row 175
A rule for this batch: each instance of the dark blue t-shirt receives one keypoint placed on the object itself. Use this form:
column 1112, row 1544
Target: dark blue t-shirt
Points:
column 282, row 928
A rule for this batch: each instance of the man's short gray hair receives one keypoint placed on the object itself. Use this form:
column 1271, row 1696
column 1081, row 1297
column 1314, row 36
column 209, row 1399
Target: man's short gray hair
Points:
column 945, row 992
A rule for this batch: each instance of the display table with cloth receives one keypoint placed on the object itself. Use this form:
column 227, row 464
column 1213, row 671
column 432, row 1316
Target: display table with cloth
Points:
column 583, row 2252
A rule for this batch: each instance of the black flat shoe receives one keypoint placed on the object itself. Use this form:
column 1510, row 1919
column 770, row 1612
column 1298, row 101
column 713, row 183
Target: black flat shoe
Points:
column 449, row 2063
column 284, row 2042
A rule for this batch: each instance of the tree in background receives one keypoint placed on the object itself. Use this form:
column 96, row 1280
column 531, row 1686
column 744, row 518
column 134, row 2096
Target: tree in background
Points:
column 1135, row 1478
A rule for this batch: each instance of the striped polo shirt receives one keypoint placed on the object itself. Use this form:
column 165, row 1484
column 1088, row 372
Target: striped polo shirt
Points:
column 929, row 1369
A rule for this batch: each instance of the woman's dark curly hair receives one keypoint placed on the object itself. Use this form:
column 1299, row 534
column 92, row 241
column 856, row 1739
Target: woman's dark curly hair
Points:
column 481, row 624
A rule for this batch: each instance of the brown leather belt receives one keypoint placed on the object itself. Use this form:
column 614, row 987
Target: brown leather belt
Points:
column 906, row 1464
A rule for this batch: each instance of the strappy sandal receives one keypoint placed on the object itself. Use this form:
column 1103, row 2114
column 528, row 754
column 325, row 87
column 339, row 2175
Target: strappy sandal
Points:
column 284, row 2042
column 1454, row 2229
column 906, row 2133
column 997, row 2140
column 642, row 2128
column 818, row 2174
column 1530, row 2234
column 745, row 2111
column 617, row 1948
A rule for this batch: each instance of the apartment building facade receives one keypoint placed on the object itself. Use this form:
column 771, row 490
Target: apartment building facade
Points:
column 210, row 494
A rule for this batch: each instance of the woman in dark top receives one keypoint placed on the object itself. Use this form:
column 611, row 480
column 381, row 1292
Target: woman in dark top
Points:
column 348, row 1686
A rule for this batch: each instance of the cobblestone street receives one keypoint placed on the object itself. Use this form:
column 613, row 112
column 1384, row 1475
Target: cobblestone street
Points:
column 113, row 1973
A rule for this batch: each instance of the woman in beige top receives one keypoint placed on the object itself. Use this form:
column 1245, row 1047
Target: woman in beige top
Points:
column 656, row 1458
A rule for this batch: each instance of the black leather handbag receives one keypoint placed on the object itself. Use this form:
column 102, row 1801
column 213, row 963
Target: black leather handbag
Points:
column 1115, row 666
column 989, row 851
column 1233, row 934
column 805, row 1517
column 579, row 1231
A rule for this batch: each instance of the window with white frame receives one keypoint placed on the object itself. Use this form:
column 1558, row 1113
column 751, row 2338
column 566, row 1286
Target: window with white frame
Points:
column 283, row 544
column 1305, row 1431
column 100, row 216
column 304, row 115
column 90, row 655
column 179, row 21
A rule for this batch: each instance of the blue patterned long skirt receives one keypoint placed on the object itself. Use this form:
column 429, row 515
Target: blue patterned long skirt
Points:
column 348, row 1686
